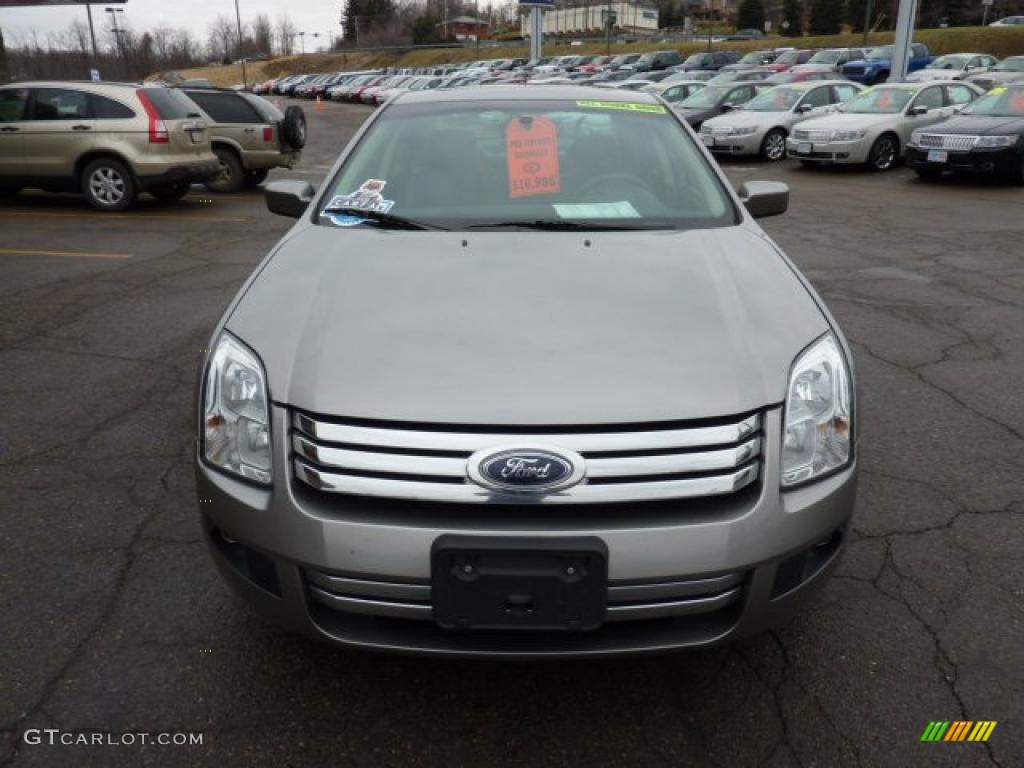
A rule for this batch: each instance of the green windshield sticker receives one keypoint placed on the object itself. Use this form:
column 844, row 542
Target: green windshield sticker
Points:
column 621, row 210
column 997, row 91
column 628, row 106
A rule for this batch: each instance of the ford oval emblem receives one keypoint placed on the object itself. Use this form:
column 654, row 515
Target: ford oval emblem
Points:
column 525, row 469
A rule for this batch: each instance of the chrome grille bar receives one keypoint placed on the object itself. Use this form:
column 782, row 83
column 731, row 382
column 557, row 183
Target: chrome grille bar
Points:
column 620, row 466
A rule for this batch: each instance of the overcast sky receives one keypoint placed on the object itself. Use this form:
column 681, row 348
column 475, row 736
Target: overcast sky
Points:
column 308, row 15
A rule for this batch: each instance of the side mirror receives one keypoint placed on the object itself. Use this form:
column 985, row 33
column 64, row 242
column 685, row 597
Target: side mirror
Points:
column 727, row 107
column 765, row 198
column 289, row 198
column 805, row 108
column 919, row 111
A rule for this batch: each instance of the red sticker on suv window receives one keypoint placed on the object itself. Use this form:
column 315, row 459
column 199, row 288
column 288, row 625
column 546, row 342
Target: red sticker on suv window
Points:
column 531, row 144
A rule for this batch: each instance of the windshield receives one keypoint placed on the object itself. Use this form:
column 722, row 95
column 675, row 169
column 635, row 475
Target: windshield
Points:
column 563, row 164
column 789, row 57
column 882, row 52
column 697, row 58
column 1015, row 64
column 752, row 58
column 779, row 99
column 999, row 102
column 708, row 97
column 824, row 57
column 879, row 101
column 949, row 62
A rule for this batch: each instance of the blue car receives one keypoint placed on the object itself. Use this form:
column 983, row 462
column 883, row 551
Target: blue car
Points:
column 875, row 68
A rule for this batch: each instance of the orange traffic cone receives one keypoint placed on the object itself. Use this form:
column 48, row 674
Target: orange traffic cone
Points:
column 319, row 104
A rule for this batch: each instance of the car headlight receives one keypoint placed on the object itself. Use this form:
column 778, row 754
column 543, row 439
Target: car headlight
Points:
column 705, row 128
column 847, row 135
column 915, row 138
column 989, row 142
column 236, row 423
column 744, row 131
column 819, row 413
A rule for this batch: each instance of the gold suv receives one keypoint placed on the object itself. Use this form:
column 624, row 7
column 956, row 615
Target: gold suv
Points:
column 249, row 135
column 110, row 141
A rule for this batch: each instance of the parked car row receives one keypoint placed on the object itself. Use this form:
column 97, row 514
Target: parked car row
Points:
column 113, row 141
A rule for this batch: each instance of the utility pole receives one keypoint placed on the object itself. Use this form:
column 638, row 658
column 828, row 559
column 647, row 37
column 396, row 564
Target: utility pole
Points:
column 92, row 36
column 117, row 35
column 867, row 22
column 241, row 44
column 302, row 42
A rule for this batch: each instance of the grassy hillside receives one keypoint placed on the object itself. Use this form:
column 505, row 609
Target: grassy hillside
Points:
column 999, row 42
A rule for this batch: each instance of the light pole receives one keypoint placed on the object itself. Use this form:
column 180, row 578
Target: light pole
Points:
column 241, row 45
column 302, row 42
column 92, row 36
column 117, row 33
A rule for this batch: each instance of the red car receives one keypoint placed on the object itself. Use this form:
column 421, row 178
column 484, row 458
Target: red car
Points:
column 789, row 59
column 802, row 75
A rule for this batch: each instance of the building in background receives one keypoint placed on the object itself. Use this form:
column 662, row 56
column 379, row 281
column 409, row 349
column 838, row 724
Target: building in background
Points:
column 588, row 19
column 465, row 28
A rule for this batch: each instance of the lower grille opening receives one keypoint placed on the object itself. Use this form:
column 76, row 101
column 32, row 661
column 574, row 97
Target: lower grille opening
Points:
column 796, row 570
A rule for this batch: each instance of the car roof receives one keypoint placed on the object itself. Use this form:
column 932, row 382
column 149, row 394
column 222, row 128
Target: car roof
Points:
column 512, row 93
column 76, row 83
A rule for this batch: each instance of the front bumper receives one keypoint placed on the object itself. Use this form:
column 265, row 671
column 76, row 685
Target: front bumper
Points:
column 829, row 152
column 356, row 571
column 1003, row 161
column 749, row 144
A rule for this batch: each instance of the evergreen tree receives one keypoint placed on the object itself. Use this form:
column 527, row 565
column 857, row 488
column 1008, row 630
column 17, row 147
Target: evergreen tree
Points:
column 750, row 15
column 793, row 15
column 826, row 17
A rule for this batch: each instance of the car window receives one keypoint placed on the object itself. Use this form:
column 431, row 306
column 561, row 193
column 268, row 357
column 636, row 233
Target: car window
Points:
column 59, row 104
column 12, row 104
column 108, row 109
column 845, row 92
column 780, row 99
column 675, row 93
column 918, row 51
column 169, row 103
column 959, row 94
column 481, row 163
column 819, row 97
column 879, row 101
column 930, row 98
column 225, row 107
column 739, row 95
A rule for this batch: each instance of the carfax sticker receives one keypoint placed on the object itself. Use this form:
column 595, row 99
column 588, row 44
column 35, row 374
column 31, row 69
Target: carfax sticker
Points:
column 626, row 106
column 531, row 144
column 367, row 198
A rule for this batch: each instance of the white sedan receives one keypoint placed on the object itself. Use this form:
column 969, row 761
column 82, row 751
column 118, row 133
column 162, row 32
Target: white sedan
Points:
column 954, row 66
column 761, row 126
column 873, row 128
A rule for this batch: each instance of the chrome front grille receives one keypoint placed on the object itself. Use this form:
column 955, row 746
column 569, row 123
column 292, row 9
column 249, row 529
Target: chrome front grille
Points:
column 626, row 602
column 946, row 141
column 427, row 464
column 805, row 134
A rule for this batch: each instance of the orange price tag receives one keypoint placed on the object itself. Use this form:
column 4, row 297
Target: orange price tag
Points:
column 532, row 149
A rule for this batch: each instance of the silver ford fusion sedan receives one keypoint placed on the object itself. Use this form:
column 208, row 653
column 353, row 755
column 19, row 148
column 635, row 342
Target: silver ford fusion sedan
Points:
column 526, row 379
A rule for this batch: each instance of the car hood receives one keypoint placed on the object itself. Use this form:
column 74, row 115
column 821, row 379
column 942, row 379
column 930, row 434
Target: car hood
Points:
column 527, row 328
column 930, row 73
column 848, row 121
column 977, row 125
column 1000, row 77
column 698, row 114
column 742, row 117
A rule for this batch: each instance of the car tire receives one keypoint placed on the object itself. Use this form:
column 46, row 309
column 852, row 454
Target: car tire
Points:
column 231, row 176
column 257, row 177
column 108, row 185
column 884, row 153
column 773, row 146
column 293, row 127
column 172, row 192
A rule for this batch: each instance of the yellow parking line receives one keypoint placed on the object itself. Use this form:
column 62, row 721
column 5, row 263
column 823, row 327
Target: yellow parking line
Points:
column 76, row 254
column 121, row 217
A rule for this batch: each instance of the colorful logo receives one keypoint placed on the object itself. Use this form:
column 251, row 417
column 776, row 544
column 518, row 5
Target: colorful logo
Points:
column 958, row 730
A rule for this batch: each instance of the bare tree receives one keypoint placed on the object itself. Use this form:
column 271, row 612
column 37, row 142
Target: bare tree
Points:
column 286, row 31
column 223, row 39
column 262, row 34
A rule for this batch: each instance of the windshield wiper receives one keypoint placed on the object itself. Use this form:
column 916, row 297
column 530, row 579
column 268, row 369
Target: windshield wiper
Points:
column 558, row 226
column 382, row 220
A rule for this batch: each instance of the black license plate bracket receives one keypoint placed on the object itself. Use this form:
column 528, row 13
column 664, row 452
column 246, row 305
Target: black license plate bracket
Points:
column 538, row 583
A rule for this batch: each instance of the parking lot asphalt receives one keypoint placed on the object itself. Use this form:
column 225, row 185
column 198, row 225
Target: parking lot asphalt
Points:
column 114, row 620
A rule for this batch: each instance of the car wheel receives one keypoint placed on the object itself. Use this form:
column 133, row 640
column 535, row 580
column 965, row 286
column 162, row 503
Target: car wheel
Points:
column 257, row 177
column 171, row 192
column 773, row 147
column 108, row 185
column 231, row 175
column 884, row 153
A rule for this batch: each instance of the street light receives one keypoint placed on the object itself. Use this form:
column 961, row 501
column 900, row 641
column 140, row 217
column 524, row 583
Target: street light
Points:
column 241, row 45
column 117, row 32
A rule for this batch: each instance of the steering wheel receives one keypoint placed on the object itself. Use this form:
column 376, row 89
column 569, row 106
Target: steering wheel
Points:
column 594, row 187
